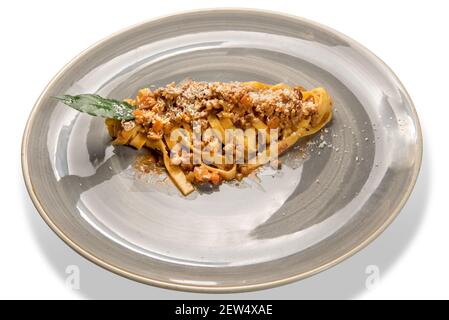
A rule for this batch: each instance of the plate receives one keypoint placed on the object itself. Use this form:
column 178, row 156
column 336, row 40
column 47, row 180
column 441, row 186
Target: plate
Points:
column 335, row 193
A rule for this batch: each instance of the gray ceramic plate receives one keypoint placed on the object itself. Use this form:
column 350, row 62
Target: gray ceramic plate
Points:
column 328, row 201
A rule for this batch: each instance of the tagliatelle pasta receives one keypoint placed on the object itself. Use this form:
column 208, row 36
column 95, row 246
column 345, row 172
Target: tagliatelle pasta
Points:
column 224, row 113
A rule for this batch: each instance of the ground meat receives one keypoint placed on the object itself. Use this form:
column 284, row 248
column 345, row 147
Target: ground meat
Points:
column 173, row 104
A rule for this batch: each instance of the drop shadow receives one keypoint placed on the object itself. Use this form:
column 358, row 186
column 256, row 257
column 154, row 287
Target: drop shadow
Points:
column 344, row 281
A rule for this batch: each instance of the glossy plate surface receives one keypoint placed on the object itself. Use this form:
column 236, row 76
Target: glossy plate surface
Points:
column 335, row 193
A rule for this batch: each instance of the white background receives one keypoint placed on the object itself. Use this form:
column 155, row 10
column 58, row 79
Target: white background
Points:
column 39, row 37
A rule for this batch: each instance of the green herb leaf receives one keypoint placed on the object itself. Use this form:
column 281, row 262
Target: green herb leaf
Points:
column 96, row 105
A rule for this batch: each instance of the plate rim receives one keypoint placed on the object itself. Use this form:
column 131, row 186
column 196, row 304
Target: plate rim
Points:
column 84, row 252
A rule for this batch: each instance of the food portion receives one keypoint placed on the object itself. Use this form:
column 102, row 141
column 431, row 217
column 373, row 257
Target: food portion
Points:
column 209, row 132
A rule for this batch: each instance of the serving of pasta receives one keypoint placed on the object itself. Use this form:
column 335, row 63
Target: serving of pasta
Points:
column 209, row 132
